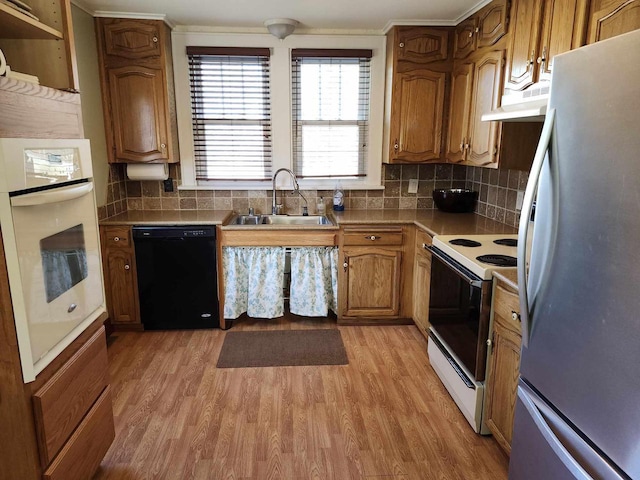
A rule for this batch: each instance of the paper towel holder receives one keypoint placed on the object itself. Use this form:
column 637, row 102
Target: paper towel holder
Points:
column 147, row 171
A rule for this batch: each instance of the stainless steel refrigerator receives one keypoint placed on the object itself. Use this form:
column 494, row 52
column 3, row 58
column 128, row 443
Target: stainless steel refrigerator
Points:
column 578, row 406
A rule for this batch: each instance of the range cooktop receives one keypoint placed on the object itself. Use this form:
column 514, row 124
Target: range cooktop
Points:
column 481, row 254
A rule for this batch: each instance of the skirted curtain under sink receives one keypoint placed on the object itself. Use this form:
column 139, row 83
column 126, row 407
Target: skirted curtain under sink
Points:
column 254, row 279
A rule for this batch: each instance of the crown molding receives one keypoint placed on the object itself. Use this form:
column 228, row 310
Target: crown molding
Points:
column 136, row 16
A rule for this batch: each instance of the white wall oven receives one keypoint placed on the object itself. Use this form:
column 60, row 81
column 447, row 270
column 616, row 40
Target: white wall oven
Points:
column 50, row 234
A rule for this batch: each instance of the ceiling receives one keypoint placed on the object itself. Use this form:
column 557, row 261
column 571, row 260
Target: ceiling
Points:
column 371, row 15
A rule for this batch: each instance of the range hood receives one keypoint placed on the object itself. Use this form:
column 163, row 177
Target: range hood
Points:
column 527, row 106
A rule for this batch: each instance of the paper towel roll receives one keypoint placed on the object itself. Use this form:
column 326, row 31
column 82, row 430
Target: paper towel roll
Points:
column 147, row 171
column 3, row 64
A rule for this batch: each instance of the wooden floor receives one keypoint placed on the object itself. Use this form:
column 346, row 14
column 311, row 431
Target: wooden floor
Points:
column 384, row 416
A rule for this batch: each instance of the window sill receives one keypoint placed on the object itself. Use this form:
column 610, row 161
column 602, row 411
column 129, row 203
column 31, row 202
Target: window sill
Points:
column 268, row 186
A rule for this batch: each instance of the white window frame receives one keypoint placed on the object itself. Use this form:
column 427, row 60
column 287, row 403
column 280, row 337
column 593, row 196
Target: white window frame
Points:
column 281, row 108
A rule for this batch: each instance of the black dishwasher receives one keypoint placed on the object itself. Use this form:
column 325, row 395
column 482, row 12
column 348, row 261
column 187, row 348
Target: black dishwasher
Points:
column 177, row 279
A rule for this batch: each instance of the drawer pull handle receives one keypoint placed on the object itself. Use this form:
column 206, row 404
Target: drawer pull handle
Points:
column 371, row 237
column 72, row 307
column 127, row 267
column 515, row 316
column 116, row 239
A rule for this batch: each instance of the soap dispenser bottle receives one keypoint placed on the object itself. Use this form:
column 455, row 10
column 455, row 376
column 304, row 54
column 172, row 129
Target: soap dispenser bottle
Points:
column 338, row 198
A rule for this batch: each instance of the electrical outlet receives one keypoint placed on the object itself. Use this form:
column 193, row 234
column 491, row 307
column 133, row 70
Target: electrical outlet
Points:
column 413, row 185
column 519, row 200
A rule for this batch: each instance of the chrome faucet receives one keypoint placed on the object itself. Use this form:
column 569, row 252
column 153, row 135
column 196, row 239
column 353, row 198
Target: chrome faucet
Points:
column 276, row 208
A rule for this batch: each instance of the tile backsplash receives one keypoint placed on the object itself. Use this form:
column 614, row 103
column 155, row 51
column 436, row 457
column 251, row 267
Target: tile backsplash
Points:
column 497, row 192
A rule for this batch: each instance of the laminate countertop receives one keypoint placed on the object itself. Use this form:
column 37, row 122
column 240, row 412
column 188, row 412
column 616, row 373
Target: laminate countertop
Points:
column 433, row 222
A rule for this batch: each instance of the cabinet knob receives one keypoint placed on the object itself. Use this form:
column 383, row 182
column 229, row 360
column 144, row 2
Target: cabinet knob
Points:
column 116, row 239
column 155, row 39
column 515, row 316
column 163, row 146
column 488, row 342
column 127, row 267
column 371, row 237
column 470, row 34
column 425, row 246
column 345, row 265
column 401, row 45
column 396, row 145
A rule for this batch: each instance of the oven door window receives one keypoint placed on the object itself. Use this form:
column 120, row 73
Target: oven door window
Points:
column 454, row 312
column 64, row 261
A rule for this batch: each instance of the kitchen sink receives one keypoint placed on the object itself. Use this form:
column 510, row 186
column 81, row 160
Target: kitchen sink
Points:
column 286, row 220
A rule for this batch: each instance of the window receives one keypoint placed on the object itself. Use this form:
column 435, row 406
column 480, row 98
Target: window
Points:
column 330, row 98
column 231, row 112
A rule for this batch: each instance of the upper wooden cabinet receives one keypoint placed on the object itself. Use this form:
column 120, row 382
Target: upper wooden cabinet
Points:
column 45, row 47
column 481, row 30
column 476, row 89
column 137, row 90
column 609, row 18
column 132, row 39
column 418, row 67
column 540, row 30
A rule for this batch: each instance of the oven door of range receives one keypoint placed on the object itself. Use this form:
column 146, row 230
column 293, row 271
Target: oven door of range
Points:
column 459, row 311
column 55, row 236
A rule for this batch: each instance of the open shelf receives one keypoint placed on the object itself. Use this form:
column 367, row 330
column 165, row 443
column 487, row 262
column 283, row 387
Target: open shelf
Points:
column 17, row 25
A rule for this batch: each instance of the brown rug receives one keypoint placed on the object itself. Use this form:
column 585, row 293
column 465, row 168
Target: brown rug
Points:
column 275, row 348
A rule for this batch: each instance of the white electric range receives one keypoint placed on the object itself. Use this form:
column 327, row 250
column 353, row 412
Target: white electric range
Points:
column 460, row 311
column 494, row 251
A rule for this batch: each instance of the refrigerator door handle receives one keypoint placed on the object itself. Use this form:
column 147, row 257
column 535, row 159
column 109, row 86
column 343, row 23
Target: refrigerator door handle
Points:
column 554, row 442
column 523, row 230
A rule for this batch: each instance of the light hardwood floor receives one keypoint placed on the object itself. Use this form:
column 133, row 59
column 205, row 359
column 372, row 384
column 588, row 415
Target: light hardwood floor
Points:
column 384, row 416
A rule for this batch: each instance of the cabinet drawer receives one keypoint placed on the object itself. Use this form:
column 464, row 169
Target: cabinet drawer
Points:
column 63, row 401
column 82, row 454
column 372, row 236
column 422, row 239
column 505, row 305
column 117, row 236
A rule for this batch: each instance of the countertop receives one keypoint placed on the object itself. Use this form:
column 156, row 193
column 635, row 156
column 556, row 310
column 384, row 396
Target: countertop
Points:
column 434, row 222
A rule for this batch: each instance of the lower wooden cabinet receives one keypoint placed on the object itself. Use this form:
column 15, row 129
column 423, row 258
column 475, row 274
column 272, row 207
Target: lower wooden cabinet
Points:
column 422, row 282
column 504, row 365
column 121, row 284
column 373, row 275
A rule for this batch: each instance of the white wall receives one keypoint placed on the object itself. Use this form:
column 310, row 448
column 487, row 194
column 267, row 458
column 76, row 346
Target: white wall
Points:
column 90, row 96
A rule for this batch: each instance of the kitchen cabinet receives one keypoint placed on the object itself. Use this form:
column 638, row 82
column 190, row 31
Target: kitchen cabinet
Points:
column 121, row 285
column 503, row 364
column 422, row 282
column 482, row 29
column 476, row 89
column 609, row 18
column 419, row 64
column 372, row 280
column 540, row 30
column 137, row 90
column 44, row 47
column 41, row 419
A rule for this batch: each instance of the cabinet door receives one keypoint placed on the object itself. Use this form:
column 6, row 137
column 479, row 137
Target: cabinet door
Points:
column 487, row 88
column 612, row 18
column 122, row 286
column 416, row 119
column 421, row 290
column 525, row 33
column 465, row 38
column 492, row 23
column 502, row 384
column 459, row 112
column 372, row 280
column 563, row 29
column 138, row 113
column 421, row 45
column 134, row 39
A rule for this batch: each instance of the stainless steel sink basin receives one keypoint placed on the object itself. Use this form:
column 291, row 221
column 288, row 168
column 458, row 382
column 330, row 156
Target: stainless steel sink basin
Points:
column 265, row 220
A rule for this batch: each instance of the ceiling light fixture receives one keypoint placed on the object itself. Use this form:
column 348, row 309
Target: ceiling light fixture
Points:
column 281, row 27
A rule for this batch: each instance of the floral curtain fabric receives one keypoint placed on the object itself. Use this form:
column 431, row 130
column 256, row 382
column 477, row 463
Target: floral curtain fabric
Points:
column 254, row 276
column 314, row 281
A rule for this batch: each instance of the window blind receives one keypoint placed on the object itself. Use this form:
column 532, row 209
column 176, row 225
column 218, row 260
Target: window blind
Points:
column 330, row 98
column 231, row 112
